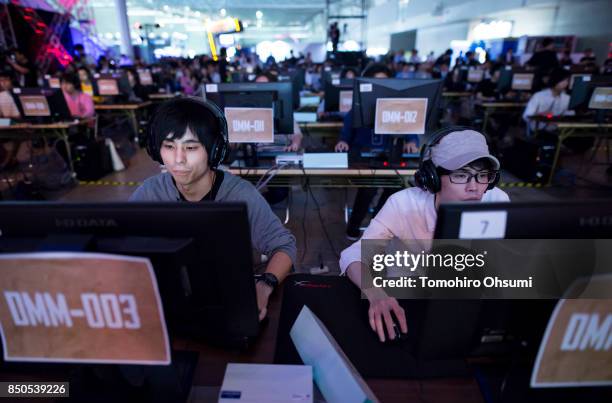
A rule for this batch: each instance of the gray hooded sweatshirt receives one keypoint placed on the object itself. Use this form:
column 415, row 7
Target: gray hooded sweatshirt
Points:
column 268, row 234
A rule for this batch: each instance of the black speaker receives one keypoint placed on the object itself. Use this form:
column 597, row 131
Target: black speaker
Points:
column 530, row 160
column 92, row 160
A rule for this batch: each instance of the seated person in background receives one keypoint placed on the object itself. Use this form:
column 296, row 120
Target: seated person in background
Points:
column 588, row 59
column 456, row 167
column 346, row 73
column 566, row 59
column 139, row 93
column 486, row 90
column 8, row 108
column 189, row 137
column 86, row 81
column 356, row 139
column 81, row 105
column 552, row 101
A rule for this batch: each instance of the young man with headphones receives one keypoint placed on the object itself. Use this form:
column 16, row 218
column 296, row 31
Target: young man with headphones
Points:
column 189, row 137
column 455, row 166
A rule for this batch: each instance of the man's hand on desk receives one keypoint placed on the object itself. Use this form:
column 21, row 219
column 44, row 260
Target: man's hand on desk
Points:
column 263, row 292
column 411, row 148
column 342, row 146
column 381, row 308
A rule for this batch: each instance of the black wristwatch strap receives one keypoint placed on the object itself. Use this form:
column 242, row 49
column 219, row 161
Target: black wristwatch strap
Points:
column 268, row 279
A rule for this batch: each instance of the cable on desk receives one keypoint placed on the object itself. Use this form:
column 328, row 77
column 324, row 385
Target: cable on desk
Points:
column 272, row 172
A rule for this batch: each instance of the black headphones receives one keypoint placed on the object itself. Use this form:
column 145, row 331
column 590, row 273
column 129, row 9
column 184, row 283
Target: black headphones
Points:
column 220, row 146
column 426, row 177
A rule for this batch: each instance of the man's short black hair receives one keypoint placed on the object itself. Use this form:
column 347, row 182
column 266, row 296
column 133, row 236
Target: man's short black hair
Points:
column 374, row 68
column 73, row 79
column 546, row 41
column 173, row 117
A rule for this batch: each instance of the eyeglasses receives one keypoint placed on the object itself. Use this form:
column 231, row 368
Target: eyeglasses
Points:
column 463, row 177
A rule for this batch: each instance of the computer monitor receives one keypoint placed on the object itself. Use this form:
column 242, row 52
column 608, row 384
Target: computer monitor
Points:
column 367, row 90
column 347, row 59
column 515, row 80
column 278, row 96
column 52, row 82
column 584, row 88
column 112, row 86
column 200, row 252
column 41, row 104
column 339, row 95
column 297, row 78
column 574, row 78
column 534, row 220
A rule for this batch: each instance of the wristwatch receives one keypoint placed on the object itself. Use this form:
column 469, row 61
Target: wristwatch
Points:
column 267, row 278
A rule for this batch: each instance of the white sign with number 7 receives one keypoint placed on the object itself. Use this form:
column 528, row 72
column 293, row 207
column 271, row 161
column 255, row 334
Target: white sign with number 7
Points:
column 483, row 225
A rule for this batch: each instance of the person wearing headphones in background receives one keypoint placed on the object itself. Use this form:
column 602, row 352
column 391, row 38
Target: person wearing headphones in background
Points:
column 189, row 137
column 356, row 139
column 455, row 166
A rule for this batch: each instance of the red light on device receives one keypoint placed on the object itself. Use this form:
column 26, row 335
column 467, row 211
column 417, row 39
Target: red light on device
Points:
column 549, row 116
column 385, row 164
column 403, row 164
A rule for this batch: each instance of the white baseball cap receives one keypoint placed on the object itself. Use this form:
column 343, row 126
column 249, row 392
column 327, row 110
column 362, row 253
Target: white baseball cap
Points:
column 457, row 149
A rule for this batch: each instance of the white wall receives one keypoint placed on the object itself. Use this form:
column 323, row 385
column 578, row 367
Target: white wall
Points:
column 437, row 38
column 589, row 20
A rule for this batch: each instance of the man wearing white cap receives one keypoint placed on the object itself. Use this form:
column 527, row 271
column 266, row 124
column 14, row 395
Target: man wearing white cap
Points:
column 455, row 166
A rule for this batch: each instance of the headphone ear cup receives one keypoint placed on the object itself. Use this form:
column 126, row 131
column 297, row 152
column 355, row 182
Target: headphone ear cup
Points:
column 427, row 178
column 151, row 148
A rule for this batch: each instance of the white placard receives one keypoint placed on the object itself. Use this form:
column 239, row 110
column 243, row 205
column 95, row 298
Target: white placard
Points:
column 210, row 88
column 483, row 225
column 365, row 87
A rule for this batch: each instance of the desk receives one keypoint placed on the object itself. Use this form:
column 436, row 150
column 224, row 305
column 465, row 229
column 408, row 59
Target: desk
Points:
column 497, row 107
column 57, row 130
column 212, row 362
column 451, row 94
column 331, row 178
column 576, row 129
column 128, row 110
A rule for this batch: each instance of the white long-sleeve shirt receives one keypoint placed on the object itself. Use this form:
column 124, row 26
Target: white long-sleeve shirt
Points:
column 409, row 214
column 8, row 109
column 544, row 102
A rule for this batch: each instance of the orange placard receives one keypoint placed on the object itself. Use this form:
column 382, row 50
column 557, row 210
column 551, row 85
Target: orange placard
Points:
column 250, row 125
column 345, row 101
column 522, row 81
column 400, row 116
column 34, row 105
column 601, row 98
column 576, row 350
column 107, row 87
column 81, row 308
